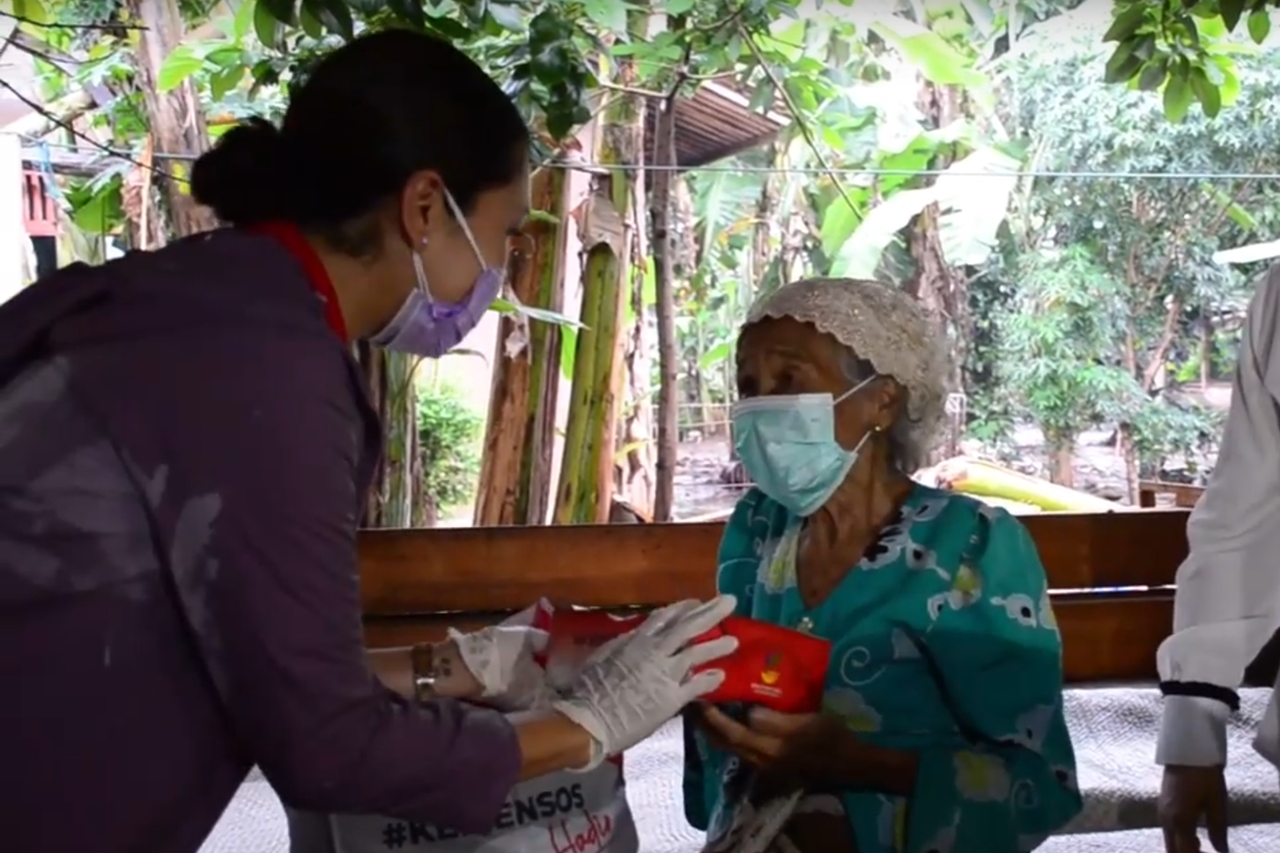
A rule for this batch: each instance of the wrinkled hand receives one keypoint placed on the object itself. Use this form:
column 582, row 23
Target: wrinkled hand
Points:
column 502, row 660
column 798, row 745
column 1187, row 795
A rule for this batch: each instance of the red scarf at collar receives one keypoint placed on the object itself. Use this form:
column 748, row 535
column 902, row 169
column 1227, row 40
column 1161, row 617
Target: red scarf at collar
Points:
column 291, row 238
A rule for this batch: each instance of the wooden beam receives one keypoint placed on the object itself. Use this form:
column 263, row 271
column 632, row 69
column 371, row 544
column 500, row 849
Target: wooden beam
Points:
column 1110, row 637
column 407, row 572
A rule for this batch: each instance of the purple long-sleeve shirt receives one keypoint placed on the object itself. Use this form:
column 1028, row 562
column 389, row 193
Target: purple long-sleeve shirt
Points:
column 184, row 445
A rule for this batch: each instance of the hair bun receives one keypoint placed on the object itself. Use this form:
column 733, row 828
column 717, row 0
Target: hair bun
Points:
column 243, row 179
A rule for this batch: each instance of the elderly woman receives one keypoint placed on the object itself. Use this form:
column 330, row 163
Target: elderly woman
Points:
column 942, row 728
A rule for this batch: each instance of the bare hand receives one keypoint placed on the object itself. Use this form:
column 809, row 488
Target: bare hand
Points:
column 1188, row 794
column 792, row 744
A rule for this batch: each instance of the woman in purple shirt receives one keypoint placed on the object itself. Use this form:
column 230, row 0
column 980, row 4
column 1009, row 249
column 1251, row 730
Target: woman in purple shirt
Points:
column 184, row 448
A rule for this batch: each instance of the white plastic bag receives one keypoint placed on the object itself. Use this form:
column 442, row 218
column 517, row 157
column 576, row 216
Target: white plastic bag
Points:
column 558, row 813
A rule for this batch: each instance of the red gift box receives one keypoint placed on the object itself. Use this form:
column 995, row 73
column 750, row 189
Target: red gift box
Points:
column 776, row 667
column 773, row 666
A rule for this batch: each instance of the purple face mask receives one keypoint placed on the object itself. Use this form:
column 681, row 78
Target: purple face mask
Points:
column 426, row 327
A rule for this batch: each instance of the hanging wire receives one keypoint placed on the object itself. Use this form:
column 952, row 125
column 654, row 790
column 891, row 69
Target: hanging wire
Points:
column 874, row 172
column 590, row 166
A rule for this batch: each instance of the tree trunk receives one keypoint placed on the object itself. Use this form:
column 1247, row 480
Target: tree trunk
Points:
column 372, row 363
column 402, row 467
column 1125, row 445
column 533, row 503
column 510, row 480
column 396, row 496
column 1062, row 458
column 763, row 241
column 637, row 486
column 583, row 495
column 622, row 143
column 175, row 119
column 608, row 228
column 664, row 144
column 1128, row 450
column 1206, row 349
column 940, row 289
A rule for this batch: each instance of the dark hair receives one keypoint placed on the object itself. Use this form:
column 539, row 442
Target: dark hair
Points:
column 369, row 115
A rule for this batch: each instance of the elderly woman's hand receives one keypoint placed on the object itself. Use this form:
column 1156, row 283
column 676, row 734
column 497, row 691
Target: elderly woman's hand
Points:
column 787, row 744
column 814, row 749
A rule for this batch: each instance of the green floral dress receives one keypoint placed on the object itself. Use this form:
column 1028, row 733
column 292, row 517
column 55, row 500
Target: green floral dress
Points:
column 944, row 643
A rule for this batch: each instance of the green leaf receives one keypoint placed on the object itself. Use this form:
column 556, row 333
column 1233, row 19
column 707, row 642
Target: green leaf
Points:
column 762, row 98
column 678, row 7
column 284, row 11
column 568, row 351
column 1230, row 87
column 266, row 26
column 31, row 12
column 609, row 15
column 1231, row 10
column 972, row 209
column 243, row 22
column 309, row 23
column 334, row 14
column 1206, row 93
column 1127, row 21
column 505, row 306
column 226, row 81
column 177, row 67
column 1153, row 75
column 507, row 17
column 1234, row 210
column 1259, row 24
column 99, row 212
column 839, row 221
column 409, row 11
column 1177, row 97
column 222, row 58
column 859, row 257
column 718, row 354
column 930, row 53
column 1122, row 65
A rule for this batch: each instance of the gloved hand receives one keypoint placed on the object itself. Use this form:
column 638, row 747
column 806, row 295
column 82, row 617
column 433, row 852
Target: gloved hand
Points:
column 501, row 659
column 635, row 683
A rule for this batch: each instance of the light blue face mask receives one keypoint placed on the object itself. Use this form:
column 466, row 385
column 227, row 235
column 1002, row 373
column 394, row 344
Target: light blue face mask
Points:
column 788, row 446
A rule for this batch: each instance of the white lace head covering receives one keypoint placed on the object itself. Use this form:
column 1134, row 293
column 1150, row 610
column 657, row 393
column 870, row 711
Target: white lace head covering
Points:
column 879, row 324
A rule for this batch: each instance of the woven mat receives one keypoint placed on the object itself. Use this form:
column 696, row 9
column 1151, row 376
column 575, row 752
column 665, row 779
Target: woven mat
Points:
column 1114, row 729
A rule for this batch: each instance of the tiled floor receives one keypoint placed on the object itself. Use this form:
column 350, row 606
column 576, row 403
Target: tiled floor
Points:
column 1114, row 730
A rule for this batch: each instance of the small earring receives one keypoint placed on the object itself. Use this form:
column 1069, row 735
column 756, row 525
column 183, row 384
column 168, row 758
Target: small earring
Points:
column 424, row 242
column 877, row 429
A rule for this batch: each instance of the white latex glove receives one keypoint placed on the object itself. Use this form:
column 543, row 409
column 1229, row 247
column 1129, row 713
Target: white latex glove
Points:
column 501, row 659
column 635, row 683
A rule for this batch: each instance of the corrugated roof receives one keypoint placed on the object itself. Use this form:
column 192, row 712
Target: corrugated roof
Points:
column 714, row 123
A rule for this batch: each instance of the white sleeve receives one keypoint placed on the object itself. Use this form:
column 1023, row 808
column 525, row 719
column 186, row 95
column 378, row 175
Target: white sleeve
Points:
column 1227, row 590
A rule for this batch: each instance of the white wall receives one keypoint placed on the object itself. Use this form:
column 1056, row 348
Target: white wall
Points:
column 17, row 259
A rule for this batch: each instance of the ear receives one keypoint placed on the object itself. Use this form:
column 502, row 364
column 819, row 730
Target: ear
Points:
column 422, row 207
column 890, row 398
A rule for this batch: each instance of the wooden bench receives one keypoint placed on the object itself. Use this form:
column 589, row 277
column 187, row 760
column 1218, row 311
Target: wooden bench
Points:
column 1111, row 576
column 1183, row 494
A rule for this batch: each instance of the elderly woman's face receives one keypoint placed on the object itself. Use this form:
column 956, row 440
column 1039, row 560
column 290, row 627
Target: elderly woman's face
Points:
column 782, row 356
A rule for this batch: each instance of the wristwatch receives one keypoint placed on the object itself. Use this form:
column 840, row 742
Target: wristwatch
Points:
column 423, row 660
